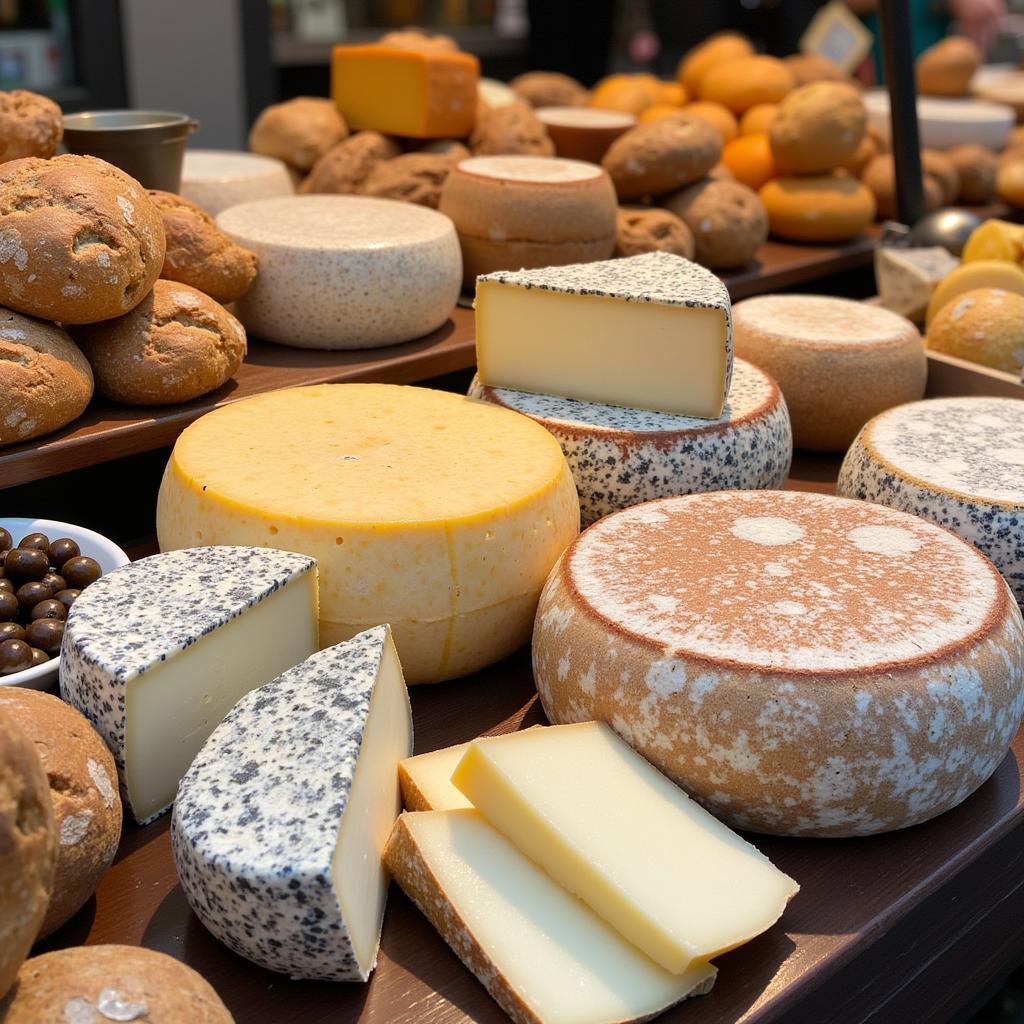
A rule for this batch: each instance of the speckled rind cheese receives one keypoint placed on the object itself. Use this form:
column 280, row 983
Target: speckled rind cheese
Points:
column 802, row 664
column 341, row 272
column 621, row 457
column 218, row 178
column 265, row 813
column 156, row 652
column 437, row 514
column 956, row 461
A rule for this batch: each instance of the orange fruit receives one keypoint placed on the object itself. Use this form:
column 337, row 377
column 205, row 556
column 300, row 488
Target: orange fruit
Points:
column 758, row 118
column 629, row 93
column 717, row 116
column 657, row 111
column 746, row 81
column 704, row 56
column 749, row 159
column 671, row 93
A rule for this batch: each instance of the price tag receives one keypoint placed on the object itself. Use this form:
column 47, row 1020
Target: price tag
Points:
column 836, row 33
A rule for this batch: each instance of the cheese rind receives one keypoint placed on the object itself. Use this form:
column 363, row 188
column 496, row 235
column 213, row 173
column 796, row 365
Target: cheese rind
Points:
column 976, row 274
column 650, row 332
column 280, row 823
column 218, row 178
column 540, row 953
column 157, row 652
column 426, row 780
column 906, row 278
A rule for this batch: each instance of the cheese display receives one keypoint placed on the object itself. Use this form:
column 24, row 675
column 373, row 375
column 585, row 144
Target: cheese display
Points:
column 584, row 133
column 621, row 457
column 437, row 514
column 157, row 652
column 838, row 362
column 280, row 823
column 218, row 178
column 969, row 277
column 651, row 332
column 426, row 780
column 331, row 268
column 801, row 664
column 540, row 953
column 702, row 891
column 422, row 94
column 906, row 278
column 956, row 461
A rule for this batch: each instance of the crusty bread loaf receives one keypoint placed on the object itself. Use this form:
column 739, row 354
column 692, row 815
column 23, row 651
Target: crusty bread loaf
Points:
column 728, row 221
column 199, row 253
column 298, row 131
column 30, row 125
column 946, row 68
column 818, row 127
column 549, row 89
column 174, row 346
column 80, row 240
column 651, row 229
column 976, row 168
column 83, row 789
column 45, row 381
column 411, row 178
column 344, row 168
column 512, row 129
column 879, row 175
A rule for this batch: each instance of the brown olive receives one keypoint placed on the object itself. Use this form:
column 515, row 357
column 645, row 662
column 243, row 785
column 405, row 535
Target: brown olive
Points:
column 24, row 564
column 48, row 609
column 9, row 606
column 67, row 597
column 11, row 631
column 62, row 549
column 30, row 594
column 8, row 585
column 6, row 540
column 35, row 541
column 55, row 582
column 80, row 571
column 15, row 656
column 46, row 634
column 40, row 657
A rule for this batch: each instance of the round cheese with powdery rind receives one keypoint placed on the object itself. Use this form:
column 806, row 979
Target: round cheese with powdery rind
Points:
column 218, row 178
column 341, row 272
column 801, row 664
column 956, row 461
column 621, row 457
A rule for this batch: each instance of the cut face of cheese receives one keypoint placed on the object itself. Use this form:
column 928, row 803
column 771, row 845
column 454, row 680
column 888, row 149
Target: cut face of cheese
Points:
column 280, row 824
column 543, row 956
column 157, row 652
column 650, row 332
column 420, row 94
column 907, row 278
column 426, row 780
column 609, row 827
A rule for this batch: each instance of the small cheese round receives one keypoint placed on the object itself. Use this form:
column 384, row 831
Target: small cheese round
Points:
column 801, row 664
column 818, row 208
column 621, row 457
column 956, row 461
column 584, row 133
column 728, row 221
column 718, row 48
column 744, row 82
column 332, row 266
column 423, row 509
column 817, row 127
column 984, row 326
column 218, row 178
column 838, row 362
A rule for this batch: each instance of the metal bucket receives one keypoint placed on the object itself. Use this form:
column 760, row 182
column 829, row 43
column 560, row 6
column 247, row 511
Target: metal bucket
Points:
column 148, row 144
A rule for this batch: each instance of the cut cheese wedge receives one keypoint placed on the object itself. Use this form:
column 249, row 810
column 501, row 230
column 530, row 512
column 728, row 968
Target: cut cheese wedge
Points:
column 426, row 780
column 541, row 954
column 609, row 827
column 975, row 274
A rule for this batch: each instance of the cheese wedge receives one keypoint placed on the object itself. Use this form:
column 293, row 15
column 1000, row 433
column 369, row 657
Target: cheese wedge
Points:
column 970, row 276
column 426, row 780
column 609, row 827
column 541, row 954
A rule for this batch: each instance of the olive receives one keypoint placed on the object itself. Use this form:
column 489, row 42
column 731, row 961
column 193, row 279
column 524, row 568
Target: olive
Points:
column 40, row 657
column 9, row 606
column 80, row 571
column 67, row 597
column 36, row 541
column 48, row 609
column 15, row 656
column 62, row 549
column 46, row 634
column 55, row 582
column 8, row 585
column 30, row 594
column 11, row 631
column 6, row 540
column 24, row 564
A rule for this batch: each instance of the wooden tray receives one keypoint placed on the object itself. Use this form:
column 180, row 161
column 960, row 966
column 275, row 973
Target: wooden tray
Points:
column 949, row 376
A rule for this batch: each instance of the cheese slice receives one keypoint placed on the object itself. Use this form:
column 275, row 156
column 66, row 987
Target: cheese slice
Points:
column 906, row 278
column 608, row 826
column 976, row 274
column 423, row 94
column 426, row 780
column 650, row 332
column 995, row 240
column 280, row 824
column 542, row 955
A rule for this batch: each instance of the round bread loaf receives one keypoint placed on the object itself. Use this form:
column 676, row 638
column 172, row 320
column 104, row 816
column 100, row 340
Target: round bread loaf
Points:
column 30, row 125
column 812, row 67
column 28, row 849
column 176, row 345
column 704, row 56
column 879, row 176
column 199, row 253
column 720, row 117
column 107, row 983
column 728, row 221
column 345, row 167
column 661, row 157
column 817, row 127
column 976, row 171
column 946, row 69
column 583, row 133
column 1010, row 182
column 298, row 131
column 511, row 129
column 83, row 790
column 45, row 381
column 818, row 208
column 838, row 362
column 80, row 240
column 984, row 326
column 746, row 81
column 651, row 229
column 413, row 178
column 865, row 152
column 549, row 89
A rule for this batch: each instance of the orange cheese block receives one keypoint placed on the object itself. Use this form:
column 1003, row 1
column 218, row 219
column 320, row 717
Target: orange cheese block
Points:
column 416, row 93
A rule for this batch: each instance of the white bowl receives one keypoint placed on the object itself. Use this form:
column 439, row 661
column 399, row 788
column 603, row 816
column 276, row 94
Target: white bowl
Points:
column 943, row 123
column 106, row 552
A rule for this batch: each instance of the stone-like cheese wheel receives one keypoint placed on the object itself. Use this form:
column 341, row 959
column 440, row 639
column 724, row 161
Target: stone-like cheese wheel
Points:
column 426, row 510
column 801, row 664
column 218, row 178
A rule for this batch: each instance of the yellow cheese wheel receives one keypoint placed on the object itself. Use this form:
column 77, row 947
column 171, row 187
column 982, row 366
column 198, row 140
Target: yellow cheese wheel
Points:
column 817, row 208
column 970, row 276
column 995, row 240
column 433, row 512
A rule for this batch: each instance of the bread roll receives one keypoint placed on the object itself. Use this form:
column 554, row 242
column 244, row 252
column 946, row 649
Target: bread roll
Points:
column 938, row 166
column 728, row 221
column 817, row 127
column 511, row 129
column 549, row 89
column 298, row 131
column 411, row 178
column 976, row 168
column 344, row 167
column 946, row 69
column 30, row 125
column 651, row 229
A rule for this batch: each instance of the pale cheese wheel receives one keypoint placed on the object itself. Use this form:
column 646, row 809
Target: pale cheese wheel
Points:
column 801, row 664
column 584, row 133
column 838, row 362
column 218, row 178
column 340, row 272
column 428, row 511
column 621, row 457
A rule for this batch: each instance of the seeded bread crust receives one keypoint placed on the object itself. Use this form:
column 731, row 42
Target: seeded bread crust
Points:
column 30, row 125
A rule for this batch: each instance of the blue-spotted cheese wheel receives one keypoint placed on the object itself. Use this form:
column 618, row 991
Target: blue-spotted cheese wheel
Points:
column 956, row 461
column 280, row 824
column 621, row 457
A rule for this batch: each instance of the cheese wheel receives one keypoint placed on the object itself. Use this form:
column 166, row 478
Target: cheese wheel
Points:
column 818, row 208
column 968, row 277
column 799, row 663
column 956, row 461
column 985, row 326
column 621, row 457
column 838, row 362
column 423, row 509
column 522, row 212
column 584, row 133
column 218, row 178
column 331, row 268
